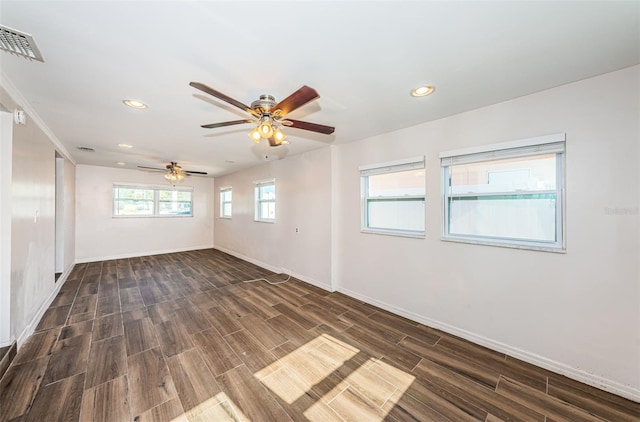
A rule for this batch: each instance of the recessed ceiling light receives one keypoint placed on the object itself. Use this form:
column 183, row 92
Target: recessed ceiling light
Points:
column 422, row 91
column 229, row 161
column 125, row 146
column 135, row 104
column 120, row 163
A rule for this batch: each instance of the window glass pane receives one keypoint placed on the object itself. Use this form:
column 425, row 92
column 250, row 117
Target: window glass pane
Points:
column 142, row 202
column 184, row 196
column 225, row 203
column 509, row 175
column 134, row 193
column 514, row 200
column 394, row 201
column 267, row 192
column 267, row 210
column 133, row 201
column 265, row 195
column 521, row 217
column 174, row 208
column 166, row 195
column 397, row 184
column 133, row 207
column 396, row 214
column 174, row 195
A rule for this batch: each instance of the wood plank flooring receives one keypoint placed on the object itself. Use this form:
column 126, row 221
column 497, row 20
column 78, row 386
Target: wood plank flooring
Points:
column 180, row 337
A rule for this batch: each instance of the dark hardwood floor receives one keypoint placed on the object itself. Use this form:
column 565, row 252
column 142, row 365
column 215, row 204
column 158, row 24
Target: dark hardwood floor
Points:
column 180, row 337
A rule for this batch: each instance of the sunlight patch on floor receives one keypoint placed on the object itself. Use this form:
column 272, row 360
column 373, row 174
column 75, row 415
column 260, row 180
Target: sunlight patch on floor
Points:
column 301, row 370
column 336, row 377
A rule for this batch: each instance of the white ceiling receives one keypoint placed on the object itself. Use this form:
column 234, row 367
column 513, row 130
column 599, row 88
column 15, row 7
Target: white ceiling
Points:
column 362, row 57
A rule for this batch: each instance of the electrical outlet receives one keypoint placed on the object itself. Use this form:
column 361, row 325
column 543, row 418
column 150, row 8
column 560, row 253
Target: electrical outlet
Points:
column 297, row 230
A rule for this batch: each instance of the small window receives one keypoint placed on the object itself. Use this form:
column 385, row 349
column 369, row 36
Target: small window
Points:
column 225, row 202
column 265, row 195
column 393, row 198
column 151, row 201
column 510, row 196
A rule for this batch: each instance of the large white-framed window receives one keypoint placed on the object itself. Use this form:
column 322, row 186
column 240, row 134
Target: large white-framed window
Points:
column 393, row 197
column 265, row 200
column 151, row 201
column 225, row 202
column 509, row 194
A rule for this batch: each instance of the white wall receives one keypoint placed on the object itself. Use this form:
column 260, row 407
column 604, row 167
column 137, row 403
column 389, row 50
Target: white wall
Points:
column 100, row 236
column 576, row 313
column 303, row 201
column 32, row 222
column 6, row 146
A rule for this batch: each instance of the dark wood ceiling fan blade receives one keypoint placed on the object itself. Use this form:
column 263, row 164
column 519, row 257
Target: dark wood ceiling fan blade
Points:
column 188, row 172
column 314, row 127
column 296, row 100
column 204, row 88
column 230, row 123
column 151, row 168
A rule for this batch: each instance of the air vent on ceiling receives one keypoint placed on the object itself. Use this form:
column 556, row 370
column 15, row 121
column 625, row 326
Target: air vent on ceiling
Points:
column 86, row 149
column 19, row 43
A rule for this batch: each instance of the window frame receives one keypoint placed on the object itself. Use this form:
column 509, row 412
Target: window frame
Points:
column 223, row 202
column 156, row 189
column 397, row 166
column 532, row 147
column 257, row 186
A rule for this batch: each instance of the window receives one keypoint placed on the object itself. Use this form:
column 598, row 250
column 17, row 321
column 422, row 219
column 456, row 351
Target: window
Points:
column 510, row 195
column 152, row 201
column 265, row 194
column 225, row 202
column 393, row 198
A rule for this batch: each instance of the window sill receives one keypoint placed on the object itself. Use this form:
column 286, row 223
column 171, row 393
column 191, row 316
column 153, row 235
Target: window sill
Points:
column 505, row 245
column 414, row 235
column 264, row 221
column 225, row 217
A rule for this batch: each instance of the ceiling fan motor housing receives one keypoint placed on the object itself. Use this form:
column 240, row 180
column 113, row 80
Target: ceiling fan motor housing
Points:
column 264, row 104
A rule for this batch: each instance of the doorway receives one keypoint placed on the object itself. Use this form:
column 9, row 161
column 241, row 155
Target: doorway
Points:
column 59, row 217
column 6, row 160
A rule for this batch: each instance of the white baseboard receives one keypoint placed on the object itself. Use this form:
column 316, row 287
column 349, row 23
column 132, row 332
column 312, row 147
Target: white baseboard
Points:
column 541, row 361
column 7, row 342
column 264, row 265
column 30, row 328
column 309, row 280
column 248, row 259
column 137, row 254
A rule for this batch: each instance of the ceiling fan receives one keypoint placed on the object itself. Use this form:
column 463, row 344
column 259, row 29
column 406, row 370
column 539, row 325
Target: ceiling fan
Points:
column 173, row 172
column 268, row 115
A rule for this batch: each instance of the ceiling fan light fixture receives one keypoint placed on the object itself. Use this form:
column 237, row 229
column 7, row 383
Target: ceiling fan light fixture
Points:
column 279, row 136
column 423, row 91
column 265, row 128
column 174, row 177
column 255, row 135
